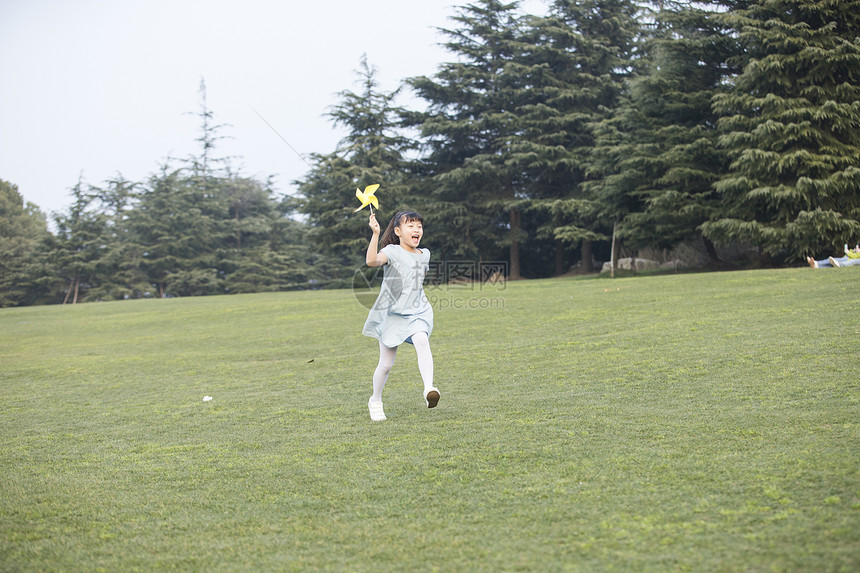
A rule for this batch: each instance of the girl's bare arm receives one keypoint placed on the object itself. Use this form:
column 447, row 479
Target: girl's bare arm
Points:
column 374, row 258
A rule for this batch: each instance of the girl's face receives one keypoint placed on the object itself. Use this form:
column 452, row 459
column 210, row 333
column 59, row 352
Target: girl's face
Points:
column 410, row 233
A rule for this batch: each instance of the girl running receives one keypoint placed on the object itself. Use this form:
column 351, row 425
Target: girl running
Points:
column 402, row 312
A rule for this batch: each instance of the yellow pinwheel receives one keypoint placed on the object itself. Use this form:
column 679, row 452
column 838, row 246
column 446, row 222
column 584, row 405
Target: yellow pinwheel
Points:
column 367, row 197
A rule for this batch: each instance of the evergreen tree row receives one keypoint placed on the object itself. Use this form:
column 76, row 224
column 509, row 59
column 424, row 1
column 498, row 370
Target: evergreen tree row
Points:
column 176, row 235
column 544, row 142
column 192, row 229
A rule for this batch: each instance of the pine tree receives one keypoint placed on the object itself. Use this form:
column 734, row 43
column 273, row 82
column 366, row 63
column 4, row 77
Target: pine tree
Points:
column 256, row 256
column 23, row 231
column 370, row 153
column 205, row 164
column 664, row 153
column 478, row 189
column 792, row 127
column 79, row 246
column 579, row 60
column 176, row 237
column 182, row 222
column 118, row 273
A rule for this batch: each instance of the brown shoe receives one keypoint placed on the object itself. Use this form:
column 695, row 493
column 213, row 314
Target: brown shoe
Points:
column 432, row 397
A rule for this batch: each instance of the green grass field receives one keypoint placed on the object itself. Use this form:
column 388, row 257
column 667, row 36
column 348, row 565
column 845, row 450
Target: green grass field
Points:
column 697, row 422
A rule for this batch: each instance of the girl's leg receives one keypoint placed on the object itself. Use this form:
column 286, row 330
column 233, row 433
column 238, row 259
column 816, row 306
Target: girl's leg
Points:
column 425, row 359
column 380, row 375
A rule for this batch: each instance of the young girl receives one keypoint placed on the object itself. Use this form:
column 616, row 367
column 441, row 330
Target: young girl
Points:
column 401, row 312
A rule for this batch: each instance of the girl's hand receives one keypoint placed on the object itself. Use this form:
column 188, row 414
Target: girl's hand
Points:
column 374, row 225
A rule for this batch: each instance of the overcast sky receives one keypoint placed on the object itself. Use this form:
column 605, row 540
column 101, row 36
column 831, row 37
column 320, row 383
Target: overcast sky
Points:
column 100, row 87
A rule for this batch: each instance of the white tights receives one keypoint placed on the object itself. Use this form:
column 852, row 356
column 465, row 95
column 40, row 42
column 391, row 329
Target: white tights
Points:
column 386, row 361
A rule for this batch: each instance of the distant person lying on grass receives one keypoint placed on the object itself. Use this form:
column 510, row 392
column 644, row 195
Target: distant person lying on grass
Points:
column 851, row 258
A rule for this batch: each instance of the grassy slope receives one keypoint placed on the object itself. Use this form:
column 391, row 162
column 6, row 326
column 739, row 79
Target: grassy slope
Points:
column 691, row 422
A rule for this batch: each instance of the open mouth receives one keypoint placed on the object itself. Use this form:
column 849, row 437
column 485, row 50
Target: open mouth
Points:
column 416, row 238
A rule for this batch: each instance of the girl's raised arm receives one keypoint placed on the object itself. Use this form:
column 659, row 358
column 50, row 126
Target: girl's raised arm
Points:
column 374, row 258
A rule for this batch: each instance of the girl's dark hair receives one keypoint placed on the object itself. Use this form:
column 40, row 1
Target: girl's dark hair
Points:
column 389, row 237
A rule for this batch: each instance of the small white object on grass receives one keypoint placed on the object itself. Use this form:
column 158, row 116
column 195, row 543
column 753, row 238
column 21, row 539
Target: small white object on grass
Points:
column 207, row 398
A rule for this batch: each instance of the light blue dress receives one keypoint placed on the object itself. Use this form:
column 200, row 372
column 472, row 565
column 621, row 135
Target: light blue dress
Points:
column 402, row 308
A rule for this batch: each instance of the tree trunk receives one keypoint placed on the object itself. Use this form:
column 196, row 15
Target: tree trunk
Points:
column 515, row 245
column 711, row 250
column 587, row 257
column 77, row 284
column 559, row 257
column 68, row 291
column 614, row 252
column 238, row 232
column 612, row 255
